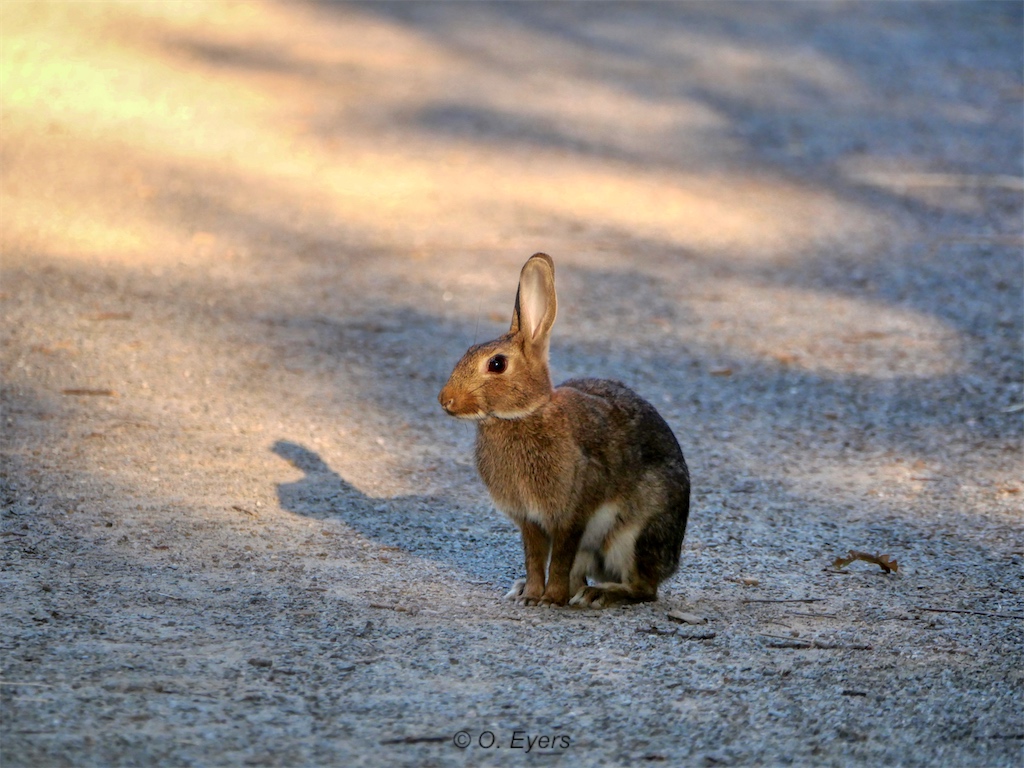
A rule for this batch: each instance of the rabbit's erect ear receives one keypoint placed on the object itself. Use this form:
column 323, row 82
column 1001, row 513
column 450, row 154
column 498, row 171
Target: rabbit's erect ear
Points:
column 536, row 305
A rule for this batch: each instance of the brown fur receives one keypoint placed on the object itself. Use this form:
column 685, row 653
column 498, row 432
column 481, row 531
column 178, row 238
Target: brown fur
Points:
column 589, row 471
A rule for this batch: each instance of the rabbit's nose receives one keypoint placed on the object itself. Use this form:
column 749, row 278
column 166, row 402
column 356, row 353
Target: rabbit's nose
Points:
column 446, row 400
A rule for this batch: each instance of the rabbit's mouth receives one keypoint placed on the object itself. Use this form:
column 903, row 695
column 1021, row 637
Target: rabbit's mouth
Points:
column 460, row 407
column 469, row 409
column 468, row 415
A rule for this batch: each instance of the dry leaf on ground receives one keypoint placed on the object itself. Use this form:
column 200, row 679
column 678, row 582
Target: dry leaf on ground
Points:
column 888, row 564
column 687, row 618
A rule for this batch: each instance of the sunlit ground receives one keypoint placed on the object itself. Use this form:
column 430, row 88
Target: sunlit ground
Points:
column 272, row 146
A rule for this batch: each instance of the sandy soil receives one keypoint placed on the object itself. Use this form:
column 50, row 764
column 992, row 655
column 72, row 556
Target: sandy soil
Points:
column 244, row 243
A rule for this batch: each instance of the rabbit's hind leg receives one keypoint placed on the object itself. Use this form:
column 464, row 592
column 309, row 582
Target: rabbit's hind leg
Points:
column 585, row 565
column 610, row 593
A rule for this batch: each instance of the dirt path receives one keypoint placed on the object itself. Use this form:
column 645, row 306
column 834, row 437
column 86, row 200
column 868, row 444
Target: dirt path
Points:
column 243, row 245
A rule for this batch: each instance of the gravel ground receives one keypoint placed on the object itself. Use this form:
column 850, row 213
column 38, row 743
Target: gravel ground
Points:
column 243, row 245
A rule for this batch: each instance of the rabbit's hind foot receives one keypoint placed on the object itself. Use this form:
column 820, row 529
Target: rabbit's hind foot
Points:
column 610, row 593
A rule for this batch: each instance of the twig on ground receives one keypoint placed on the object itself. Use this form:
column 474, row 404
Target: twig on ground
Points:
column 787, row 600
column 796, row 642
column 994, row 614
column 709, row 635
column 416, row 740
column 653, row 630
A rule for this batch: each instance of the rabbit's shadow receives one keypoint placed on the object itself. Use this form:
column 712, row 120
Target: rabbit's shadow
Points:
column 479, row 542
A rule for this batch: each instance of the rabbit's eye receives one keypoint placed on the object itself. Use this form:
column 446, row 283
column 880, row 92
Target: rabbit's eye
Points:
column 497, row 364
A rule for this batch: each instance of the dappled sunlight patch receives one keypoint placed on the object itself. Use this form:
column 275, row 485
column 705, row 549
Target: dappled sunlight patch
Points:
column 745, row 216
column 73, row 65
column 82, row 202
column 825, row 333
column 918, row 182
column 770, row 75
column 332, row 128
column 733, row 323
column 910, row 486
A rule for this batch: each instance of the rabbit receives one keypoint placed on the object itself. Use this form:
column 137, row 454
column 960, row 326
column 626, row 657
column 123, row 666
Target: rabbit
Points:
column 589, row 471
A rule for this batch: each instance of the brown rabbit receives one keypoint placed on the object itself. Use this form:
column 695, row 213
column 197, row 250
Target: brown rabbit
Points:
column 589, row 471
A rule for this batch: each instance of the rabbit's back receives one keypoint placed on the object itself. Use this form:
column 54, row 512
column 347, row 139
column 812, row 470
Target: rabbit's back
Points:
column 631, row 430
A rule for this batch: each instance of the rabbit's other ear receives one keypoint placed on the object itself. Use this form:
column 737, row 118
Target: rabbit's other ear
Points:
column 536, row 305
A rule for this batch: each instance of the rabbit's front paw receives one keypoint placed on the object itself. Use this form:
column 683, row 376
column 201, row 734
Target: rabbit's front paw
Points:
column 520, row 594
column 554, row 596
